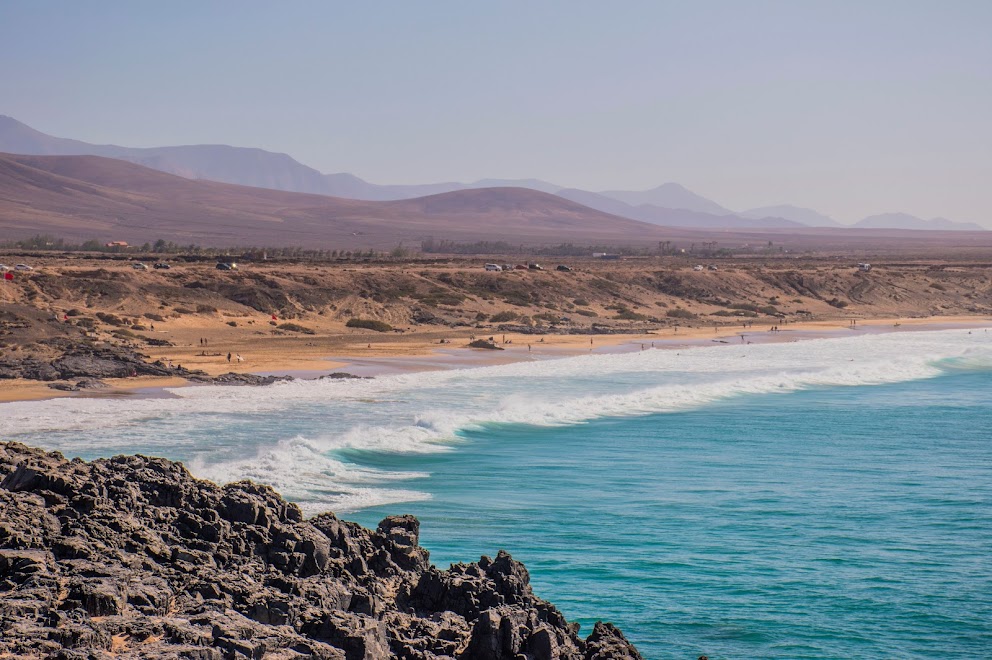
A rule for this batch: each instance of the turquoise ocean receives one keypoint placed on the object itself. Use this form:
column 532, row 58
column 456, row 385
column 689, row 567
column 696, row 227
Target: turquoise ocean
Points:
column 828, row 498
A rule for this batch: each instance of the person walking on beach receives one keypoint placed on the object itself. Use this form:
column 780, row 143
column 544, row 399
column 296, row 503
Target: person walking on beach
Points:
column 240, row 359
column 228, row 357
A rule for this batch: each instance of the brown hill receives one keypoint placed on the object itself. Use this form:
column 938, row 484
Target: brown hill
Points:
column 91, row 197
column 83, row 197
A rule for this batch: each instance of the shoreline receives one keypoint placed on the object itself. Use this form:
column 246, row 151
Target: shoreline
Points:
column 426, row 355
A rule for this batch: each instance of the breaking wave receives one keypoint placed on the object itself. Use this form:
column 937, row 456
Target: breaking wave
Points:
column 299, row 436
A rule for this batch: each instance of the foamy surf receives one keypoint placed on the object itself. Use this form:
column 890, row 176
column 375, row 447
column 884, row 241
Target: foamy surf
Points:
column 296, row 436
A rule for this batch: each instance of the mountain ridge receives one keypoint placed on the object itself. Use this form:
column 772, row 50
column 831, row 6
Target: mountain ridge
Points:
column 669, row 196
column 899, row 220
column 84, row 197
column 669, row 204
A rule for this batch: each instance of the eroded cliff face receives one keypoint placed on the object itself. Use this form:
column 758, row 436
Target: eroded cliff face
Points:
column 133, row 557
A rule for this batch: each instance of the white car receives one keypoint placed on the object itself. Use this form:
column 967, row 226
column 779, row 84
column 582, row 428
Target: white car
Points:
column 139, row 266
column 23, row 267
column 4, row 267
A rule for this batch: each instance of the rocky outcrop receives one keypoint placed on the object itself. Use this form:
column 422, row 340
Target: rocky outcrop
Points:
column 232, row 378
column 485, row 343
column 342, row 375
column 84, row 384
column 89, row 362
column 133, row 557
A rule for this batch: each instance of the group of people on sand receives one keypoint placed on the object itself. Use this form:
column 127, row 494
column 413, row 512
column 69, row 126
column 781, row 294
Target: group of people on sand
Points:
column 237, row 356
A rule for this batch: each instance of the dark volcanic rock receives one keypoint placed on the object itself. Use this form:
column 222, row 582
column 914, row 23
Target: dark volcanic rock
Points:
column 342, row 375
column 91, row 384
column 232, row 378
column 84, row 384
column 133, row 556
column 88, row 362
column 485, row 343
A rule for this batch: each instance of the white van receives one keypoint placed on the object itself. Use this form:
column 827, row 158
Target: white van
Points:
column 494, row 267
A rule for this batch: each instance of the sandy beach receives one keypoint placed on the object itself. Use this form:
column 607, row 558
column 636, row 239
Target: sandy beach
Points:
column 297, row 318
column 372, row 354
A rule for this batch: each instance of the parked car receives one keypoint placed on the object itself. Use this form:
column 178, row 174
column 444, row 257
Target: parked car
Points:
column 139, row 266
column 227, row 265
column 23, row 267
column 563, row 268
column 4, row 267
column 494, row 267
column 520, row 267
column 162, row 266
column 698, row 267
column 712, row 267
column 534, row 267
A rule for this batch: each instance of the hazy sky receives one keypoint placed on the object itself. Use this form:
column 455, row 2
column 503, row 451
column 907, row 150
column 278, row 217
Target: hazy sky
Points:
column 851, row 108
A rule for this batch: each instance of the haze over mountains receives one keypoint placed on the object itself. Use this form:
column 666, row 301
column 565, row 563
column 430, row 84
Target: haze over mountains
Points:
column 80, row 198
column 85, row 197
column 669, row 205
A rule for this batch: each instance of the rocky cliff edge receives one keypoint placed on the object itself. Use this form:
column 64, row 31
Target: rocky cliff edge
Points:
column 133, row 557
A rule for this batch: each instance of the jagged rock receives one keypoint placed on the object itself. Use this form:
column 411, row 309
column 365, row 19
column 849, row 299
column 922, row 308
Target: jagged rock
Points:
column 30, row 368
column 232, row 378
column 91, row 384
column 64, row 387
column 423, row 317
column 132, row 555
column 485, row 343
column 343, row 375
column 84, row 384
column 607, row 643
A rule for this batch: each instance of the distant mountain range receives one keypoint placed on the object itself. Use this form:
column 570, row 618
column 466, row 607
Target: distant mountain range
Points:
column 669, row 205
column 906, row 221
column 93, row 197
column 803, row 216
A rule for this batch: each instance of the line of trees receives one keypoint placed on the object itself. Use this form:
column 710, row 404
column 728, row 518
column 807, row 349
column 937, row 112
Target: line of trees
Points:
column 47, row 242
column 663, row 248
column 427, row 246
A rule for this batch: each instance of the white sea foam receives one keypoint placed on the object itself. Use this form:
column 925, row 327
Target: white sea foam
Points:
column 299, row 437
column 300, row 469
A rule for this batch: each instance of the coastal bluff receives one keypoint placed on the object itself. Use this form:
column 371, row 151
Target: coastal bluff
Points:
column 132, row 556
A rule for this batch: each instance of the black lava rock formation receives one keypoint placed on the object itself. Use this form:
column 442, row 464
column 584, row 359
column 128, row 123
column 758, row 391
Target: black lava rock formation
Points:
column 133, row 557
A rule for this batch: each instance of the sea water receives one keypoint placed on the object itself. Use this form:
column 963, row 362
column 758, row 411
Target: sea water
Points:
column 829, row 498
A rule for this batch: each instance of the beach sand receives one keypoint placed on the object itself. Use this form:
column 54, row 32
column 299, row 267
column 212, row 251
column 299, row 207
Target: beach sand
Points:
column 369, row 354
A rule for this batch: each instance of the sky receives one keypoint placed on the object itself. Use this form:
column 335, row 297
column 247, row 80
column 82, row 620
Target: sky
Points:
column 848, row 107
